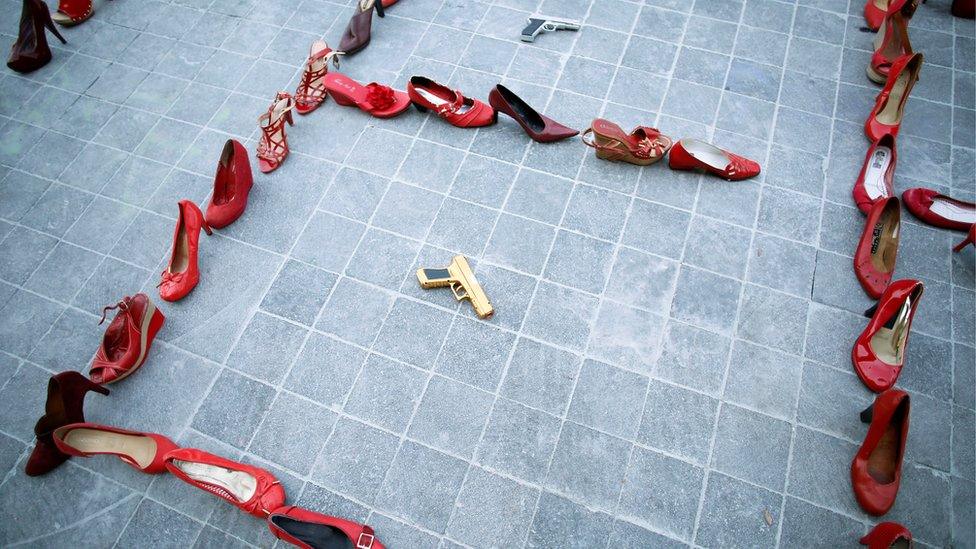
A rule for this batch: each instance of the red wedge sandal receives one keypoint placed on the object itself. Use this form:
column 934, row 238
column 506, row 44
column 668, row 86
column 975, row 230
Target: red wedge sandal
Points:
column 376, row 99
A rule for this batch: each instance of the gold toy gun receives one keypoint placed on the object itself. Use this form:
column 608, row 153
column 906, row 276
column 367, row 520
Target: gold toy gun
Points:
column 460, row 278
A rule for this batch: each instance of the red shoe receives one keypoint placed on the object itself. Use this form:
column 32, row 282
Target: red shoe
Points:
column 376, row 99
column 449, row 104
column 183, row 272
column 876, row 469
column 231, row 186
column 73, row 12
column 876, row 10
column 252, row 489
column 692, row 154
column 874, row 260
column 877, row 174
column 879, row 352
column 970, row 239
column 643, row 146
column 65, row 405
column 311, row 90
column 887, row 535
column 309, row 530
column 539, row 127
column 273, row 147
column 889, row 107
column 127, row 340
column 965, row 9
column 890, row 44
column 143, row 451
column 939, row 210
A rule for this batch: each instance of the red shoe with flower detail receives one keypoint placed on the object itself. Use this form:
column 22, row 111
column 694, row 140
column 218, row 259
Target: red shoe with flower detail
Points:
column 376, row 99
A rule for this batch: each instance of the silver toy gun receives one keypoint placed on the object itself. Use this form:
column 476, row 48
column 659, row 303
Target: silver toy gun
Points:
column 540, row 23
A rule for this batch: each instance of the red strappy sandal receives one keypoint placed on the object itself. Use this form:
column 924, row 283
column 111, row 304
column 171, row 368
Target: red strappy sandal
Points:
column 273, row 147
column 311, row 90
column 127, row 339
column 376, row 99
column 642, row 146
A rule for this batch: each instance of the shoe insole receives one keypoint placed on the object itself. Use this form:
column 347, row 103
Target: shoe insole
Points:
column 891, row 112
column 318, row 536
column 874, row 176
column 438, row 100
column 141, row 449
column 884, row 460
column 239, row 484
column 884, row 245
column 953, row 211
column 889, row 342
column 706, row 152
column 181, row 251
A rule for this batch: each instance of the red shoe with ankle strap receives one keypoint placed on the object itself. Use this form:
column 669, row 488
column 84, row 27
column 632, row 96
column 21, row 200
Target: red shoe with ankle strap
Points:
column 970, row 239
column 376, row 99
column 310, row 530
column 232, row 184
column 143, row 451
column 127, row 339
column 692, row 154
column 876, row 469
column 889, row 107
column 874, row 260
column 73, row 12
column 879, row 352
column 250, row 488
column 939, row 210
column 449, row 104
column 891, row 43
column 876, row 10
column 311, row 90
column 183, row 272
column 875, row 182
column 887, row 535
column 273, row 147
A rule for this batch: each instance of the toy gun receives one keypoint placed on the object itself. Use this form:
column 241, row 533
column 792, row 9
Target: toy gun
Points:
column 540, row 23
column 460, row 278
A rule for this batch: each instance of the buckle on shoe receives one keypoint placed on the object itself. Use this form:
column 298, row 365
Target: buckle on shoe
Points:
column 360, row 544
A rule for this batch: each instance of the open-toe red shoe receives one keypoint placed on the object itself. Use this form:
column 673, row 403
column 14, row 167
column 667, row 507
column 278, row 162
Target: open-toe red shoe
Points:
column 449, row 104
column 376, row 99
column 876, row 10
column 310, row 530
column 127, row 339
column 273, row 147
column 249, row 488
column 311, row 89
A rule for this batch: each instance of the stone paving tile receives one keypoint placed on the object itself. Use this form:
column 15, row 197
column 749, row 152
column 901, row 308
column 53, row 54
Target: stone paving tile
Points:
column 650, row 324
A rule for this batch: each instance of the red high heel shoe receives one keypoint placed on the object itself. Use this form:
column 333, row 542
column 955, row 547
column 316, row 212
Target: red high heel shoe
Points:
column 65, row 405
column 183, row 272
column 692, row 154
column 939, row 210
column 643, row 146
column 311, row 90
column 232, row 184
column 874, row 260
column 309, row 530
column 889, row 107
column 970, row 239
column 143, row 451
column 876, row 10
column 539, row 127
column 890, row 44
column 879, row 352
column 73, row 12
column 888, row 535
column 376, row 99
column 252, row 489
column 876, row 469
column 449, row 104
column 875, row 181
column 273, row 147
column 30, row 51
column 127, row 339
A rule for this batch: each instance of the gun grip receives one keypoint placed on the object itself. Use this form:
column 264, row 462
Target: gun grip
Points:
column 532, row 29
column 433, row 278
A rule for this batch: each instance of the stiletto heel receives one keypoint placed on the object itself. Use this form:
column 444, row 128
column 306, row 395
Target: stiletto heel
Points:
column 876, row 468
column 183, row 273
column 970, row 239
column 65, row 405
column 379, row 8
column 30, row 51
column 49, row 23
column 867, row 414
column 940, row 210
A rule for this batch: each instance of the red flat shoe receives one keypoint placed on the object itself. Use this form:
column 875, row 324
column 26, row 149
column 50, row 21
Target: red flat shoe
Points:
column 65, row 405
column 183, row 272
column 891, row 43
column 252, row 489
column 309, row 530
column 449, row 104
column 692, row 154
column 73, row 12
column 939, row 210
column 875, row 182
column 970, row 239
column 232, row 184
column 273, row 147
column 874, row 260
column 143, row 451
column 127, row 339
column 376, row 99
column 311, row 90
column 537, row 126
column 888, row 535
column 889, row 107
column 876, row 10
column 879, row 352
column 876, row 469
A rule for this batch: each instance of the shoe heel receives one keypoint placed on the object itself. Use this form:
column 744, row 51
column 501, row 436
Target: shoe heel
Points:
column 870, row 312
column 342, row 100
column 419, row 108
column 963, row 244
column 289, row 119
column 206, row 227
column 154, row 326
column 867, row 414
column 378, row 4
column 49, row 23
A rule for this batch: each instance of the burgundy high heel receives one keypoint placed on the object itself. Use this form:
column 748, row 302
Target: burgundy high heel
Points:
column 537, row 126
column 31, row 52
column 65, row 405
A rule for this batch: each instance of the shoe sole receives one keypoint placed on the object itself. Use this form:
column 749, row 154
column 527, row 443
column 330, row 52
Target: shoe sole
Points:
column 875, row 76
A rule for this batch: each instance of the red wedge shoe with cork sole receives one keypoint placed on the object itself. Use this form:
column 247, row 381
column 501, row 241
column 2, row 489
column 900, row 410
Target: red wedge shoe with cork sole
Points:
column 643, row 146
column 127, row 340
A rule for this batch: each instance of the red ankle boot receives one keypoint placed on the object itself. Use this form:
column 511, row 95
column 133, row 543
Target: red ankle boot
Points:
column 183, row 272
column 65, row 405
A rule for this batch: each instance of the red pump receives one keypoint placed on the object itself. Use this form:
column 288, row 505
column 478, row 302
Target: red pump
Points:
column 183, row 272
column 888, row 535
column 252, row 489
column 874, row 259
column 879, row 352
column 876, row 469
column 143, row 451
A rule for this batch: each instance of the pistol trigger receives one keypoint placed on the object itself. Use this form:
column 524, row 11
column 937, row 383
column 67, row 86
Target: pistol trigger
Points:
column 456, row 288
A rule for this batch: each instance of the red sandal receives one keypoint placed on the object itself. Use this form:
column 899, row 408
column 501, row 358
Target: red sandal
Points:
column 311, row 90
column 127, row 339
column 273, row 147
column 73, row 12
column 643, row 146
column 888, row 535
column 876, row 10
column 376, row 99
column 449, row 104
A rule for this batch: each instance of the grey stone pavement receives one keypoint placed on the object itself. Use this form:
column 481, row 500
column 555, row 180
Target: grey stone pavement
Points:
column 669, row 363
